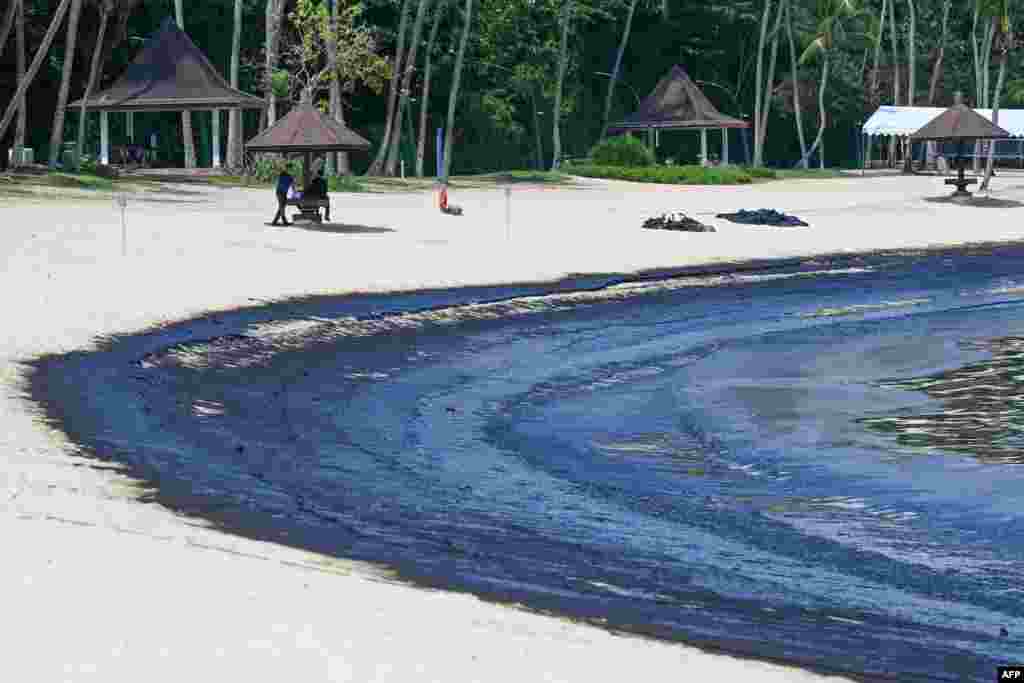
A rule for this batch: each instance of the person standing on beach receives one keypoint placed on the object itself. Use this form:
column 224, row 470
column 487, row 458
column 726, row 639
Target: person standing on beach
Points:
column 284, row 183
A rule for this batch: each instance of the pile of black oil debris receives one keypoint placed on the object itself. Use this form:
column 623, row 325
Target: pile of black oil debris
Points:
column 761, row 217
column 676, row 220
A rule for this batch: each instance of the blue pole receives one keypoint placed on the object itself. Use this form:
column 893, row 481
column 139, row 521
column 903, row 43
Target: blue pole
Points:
column 440, row 152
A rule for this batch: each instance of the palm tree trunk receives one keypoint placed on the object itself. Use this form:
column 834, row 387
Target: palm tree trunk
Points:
column 768, row 90
column 615, row 69
column 937, row 67
column 44, row 47
column 453, row 94
column 378, row 163
column 821, row 114
column 94, row 70
column 538, row 141
column 186, row 116
column 403, row 93
column 796, row 83
column 758, row 82
column 894, row 41
column 273, row 42
column 911, row 52
column 19, row 44
column 234, row 151
column 5, row 32
column 878, row 49
column 563, row 62
column 337, row 161
column 1000, row 79
column 425, row 95
column 57, row 133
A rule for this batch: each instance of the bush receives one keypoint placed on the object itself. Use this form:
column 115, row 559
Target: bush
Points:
column 267, row 167
column 623, row 150
column 677, row 175
column 344, row 183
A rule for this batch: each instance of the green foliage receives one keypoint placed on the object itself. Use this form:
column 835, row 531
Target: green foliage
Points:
column 345, row 183
column 622, row 150
column 279, row 83
column 675, row 175
column 267, row 168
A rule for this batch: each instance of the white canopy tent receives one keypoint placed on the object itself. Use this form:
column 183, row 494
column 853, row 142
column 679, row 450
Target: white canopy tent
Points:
column 902, row 122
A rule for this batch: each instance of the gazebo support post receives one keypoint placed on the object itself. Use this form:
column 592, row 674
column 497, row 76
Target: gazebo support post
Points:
column 307, row 165
column 104, row 138
column 130, row 121
column 704, row 147
column 215, row 137
column 725, row 146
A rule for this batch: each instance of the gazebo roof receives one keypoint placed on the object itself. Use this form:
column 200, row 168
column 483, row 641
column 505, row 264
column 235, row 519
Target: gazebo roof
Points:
column 305, row 129
column 170, row 74
column 676, row 102
column 959, row 122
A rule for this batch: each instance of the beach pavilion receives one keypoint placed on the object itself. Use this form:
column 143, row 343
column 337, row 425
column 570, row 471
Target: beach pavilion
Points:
column 304, row 130
column 676, row 103
column 168, row 74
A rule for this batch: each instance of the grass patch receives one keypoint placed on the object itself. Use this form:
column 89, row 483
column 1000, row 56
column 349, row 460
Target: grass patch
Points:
column 674, row 175
column 78, row 181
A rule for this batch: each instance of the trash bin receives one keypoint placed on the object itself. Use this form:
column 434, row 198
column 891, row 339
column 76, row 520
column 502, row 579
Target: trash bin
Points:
column 22, row 156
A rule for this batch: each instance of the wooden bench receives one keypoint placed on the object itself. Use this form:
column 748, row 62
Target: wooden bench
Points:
column 309, row 209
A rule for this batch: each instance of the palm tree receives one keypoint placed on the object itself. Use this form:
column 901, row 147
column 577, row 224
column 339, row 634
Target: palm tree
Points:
column 234, row 155
column 911, row 51
column 186, row 116
column 57, row 133
column 563, row 62
column 106, row 8
column 453, row 94
column 389, row 120
column 44, row 48
column 403, row 100
column 425, row 96
column 830, row 14
column 274, row 16
column 937, row 66
column 796, row 83
column 1004, row 38
column 19, row 45
column 615, row 69
column 9, row 16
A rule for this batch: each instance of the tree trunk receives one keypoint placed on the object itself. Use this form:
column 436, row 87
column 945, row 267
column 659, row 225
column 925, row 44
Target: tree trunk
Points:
column 911, row 52
column 996, row 96
column 403, row 93
column 453, row 94
column 768, row 90
column 19, row 45
column 894, row 41
column 186, row 116
column 538, row 141
column 821, row 114
column 5, row 32
column 796, row 83
column 57, row 133
column 425, row 95
column 273, row 42
column 234, row 151
column 758, row 79
column 563, row 62
column 94, row 71
column 389, row 121
column 37, row 61
column 878, row 50
column 937, row 67
column 615, row 69
column 334, row 87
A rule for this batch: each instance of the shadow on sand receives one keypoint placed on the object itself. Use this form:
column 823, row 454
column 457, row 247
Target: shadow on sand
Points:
column 340, row 228
column 983, row 202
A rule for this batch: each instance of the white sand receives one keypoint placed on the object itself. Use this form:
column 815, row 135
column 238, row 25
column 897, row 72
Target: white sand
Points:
column 98, row 587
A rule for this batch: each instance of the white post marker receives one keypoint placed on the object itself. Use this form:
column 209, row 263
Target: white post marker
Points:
column 121, row 200
column 215, row 137
column 725, row 146
column 508, row 213
column 104, row 138
column 403, row 169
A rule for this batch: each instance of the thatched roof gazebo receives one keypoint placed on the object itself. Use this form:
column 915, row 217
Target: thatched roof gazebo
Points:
column 677, row 103
column 168, row 74
column 306, row 131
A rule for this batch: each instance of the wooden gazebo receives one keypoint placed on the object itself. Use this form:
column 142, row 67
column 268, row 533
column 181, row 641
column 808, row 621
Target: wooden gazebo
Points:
column 168, row 74
column 677, row 103
column 307, row 132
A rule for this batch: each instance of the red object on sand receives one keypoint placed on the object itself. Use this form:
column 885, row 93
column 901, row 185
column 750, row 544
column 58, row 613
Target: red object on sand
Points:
column 442, row 198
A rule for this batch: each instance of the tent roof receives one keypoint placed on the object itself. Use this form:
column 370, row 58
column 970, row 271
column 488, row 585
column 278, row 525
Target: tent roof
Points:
column 676, row 102
column 959, row 122
column 170, row 74
column 305, row 129
column 905, row 121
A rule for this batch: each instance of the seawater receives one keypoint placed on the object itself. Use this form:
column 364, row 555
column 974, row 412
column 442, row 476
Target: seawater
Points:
column 821, row 464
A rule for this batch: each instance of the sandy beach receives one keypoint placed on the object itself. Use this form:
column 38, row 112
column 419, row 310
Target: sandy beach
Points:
column 101, row 587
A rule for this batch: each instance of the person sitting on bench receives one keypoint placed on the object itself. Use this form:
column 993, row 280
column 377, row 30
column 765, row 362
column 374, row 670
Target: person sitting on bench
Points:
column 318, row 190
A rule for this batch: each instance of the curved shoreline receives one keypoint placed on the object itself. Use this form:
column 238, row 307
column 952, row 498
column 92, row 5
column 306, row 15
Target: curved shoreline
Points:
column 73, row 286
